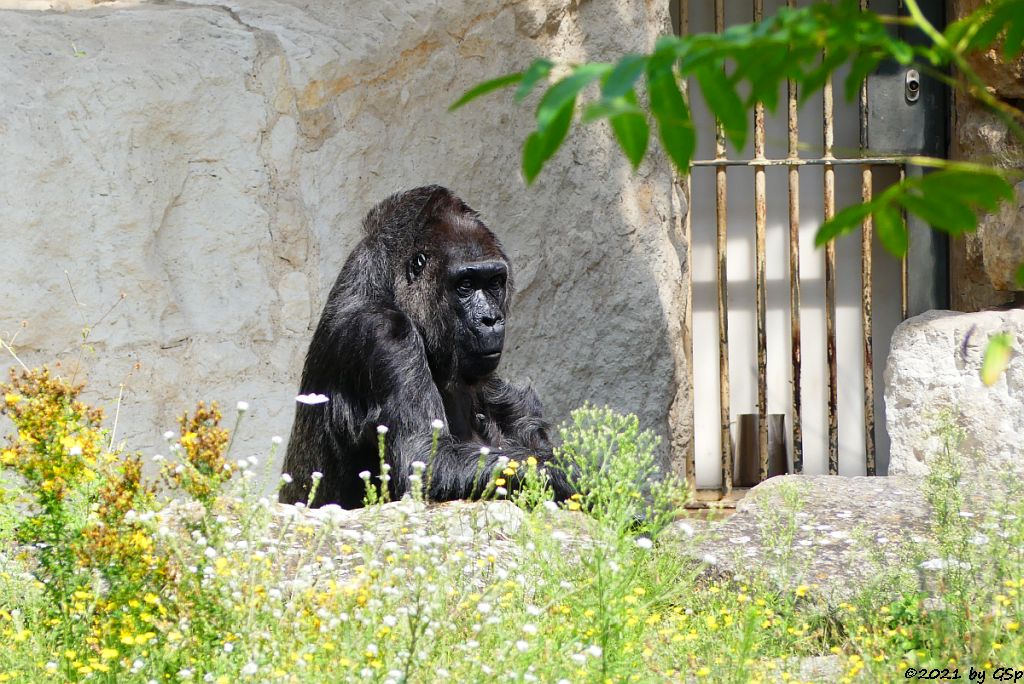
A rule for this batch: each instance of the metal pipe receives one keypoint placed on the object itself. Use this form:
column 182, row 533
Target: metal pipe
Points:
column 760, row 222
column 721, row 212
column 830, row 281
column 794, row 273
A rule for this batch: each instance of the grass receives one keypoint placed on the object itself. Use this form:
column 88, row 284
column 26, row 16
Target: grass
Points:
column 107, row 576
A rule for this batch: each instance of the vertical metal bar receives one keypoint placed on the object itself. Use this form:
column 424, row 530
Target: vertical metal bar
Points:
column 866, row 291
column 691, row 450
column 830, row 283
column 904, row 280
column 794, row 273
column 760, row 220
column 721, row 196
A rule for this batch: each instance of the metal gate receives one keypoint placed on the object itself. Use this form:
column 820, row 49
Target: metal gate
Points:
column 899, row 112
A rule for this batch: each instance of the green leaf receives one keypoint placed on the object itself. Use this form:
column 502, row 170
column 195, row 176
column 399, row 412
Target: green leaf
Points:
column 605, row 109
column 621, row 79
column 1020, row 275
column 891, row 231
column 1013, row 41
column 486, row 87
column 541, row 145
column 631, row 132
column 533, row 74
column 846, row 221
column 997, row 357
column 984, row 188
column 675, row 129
column 945, row 212
column 724, row 103
column 553, row 103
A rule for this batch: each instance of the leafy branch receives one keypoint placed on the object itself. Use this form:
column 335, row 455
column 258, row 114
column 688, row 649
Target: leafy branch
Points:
column 748, row 63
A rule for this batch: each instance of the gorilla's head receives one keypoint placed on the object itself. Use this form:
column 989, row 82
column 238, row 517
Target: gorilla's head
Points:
column 450, row 276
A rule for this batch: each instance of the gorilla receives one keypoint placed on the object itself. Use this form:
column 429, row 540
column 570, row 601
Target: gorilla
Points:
column 411, row 334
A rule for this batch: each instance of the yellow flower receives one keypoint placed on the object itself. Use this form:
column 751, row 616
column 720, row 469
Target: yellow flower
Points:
column 108, row 653
column 531, row 461
column 1013, row 626
column 802, row 590
column 11, row 398
column 573, row 506
column 703, row 672
column 7, row 456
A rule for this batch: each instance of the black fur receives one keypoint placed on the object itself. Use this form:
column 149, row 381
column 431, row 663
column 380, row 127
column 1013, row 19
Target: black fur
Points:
column 398, row 345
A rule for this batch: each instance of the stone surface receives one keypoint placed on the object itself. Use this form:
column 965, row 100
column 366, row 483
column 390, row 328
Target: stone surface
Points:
column 831, row 533
column 983, row 263
column 213, row 162
column 932, row 379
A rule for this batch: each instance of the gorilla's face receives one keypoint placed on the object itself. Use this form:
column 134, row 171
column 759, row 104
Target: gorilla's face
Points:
column 477, row 290
column 456, row 287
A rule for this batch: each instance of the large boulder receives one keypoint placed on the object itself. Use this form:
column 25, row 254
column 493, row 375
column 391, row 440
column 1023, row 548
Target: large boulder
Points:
column 213, row 162
column 934, row 392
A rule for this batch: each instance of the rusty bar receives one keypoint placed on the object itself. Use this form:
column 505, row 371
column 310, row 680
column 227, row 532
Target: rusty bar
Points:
column 866, row 327
column 794, row 274
column 789, row 161
column 904, row 276
column 830, row 283
column 760, row 221
column 721, row 215
column 866, row 286
column 691, row 448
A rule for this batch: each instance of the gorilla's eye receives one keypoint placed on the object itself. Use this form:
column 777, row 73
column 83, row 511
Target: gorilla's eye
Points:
column 417, row 264
column 465, row 287
column 497, row 282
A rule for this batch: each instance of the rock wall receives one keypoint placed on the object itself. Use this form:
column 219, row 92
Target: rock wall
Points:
column 984, row 264
column 212, row 162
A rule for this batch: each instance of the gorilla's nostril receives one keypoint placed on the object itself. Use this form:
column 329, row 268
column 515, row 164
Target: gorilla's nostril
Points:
column 490, row 321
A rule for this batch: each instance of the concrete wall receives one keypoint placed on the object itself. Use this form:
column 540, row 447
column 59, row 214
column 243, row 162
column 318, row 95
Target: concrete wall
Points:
column 213, row 162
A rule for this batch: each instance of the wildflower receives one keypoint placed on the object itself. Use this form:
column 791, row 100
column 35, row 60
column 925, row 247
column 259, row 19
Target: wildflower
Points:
column 229, row 647
column 382, row 429
column 802, row 590
column 316, row 475
column 418, row 466
column 250, row 669
column 595, row 651
column 933, row 564
column 312, row 399
column 644, row 542
column 686, row 528
column 500, row 491
column 522, row 646
column 242, row 406
column 364, row 474
column 436, row 424
column 286, row 478
column 168, row 435
column 390, row 620
column 551, row 505
column 485, row 451
column 276, row 439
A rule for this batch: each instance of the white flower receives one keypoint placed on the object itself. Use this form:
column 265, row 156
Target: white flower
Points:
column 51, row 666
column 483, row 607
column 502, row 460
column 364, row 475
column 686, row 528
column 530, row 628
column 418, row 466
column 966, row 514
column 382, row 429
column 242, row 406
column 276, row 439
column 157, row 458
column 551, row 505
column 500, row 491
column 243, row 464
column 185, row 673
column 436, row 424
column 316, row 475
column 75, row 450
column 210, row 552
column 385, row 468
column 168, row 435
column 253, row 460
column 579, row 658
column 485, row 451
column 390, row 620
column 250, row 669
column 229, row 647
column 312, row 398
column 595, row 651
column 522, row 646
column 644, row 542
column 933, row 564
column 286, row 478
